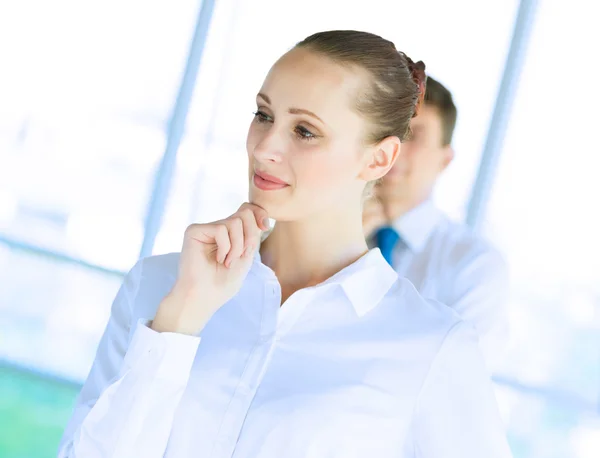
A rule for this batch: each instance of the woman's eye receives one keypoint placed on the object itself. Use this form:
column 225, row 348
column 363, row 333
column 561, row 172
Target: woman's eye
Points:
column 262, row 117
column 304, row 134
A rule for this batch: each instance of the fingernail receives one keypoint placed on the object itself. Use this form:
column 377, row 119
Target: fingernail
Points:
column 266, row 223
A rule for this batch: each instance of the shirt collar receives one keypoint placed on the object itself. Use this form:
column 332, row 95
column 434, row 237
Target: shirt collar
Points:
column 416, row 226
column 365, row 282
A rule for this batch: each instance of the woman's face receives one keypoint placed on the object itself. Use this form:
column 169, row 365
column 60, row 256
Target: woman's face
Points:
column 305, row 145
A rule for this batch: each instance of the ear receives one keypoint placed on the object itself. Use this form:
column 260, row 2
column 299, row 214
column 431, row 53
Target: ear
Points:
column 381, row 158
column 447, row 157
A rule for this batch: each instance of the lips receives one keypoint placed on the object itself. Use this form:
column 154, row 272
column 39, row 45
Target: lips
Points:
column 269, row 178
column 267, row 182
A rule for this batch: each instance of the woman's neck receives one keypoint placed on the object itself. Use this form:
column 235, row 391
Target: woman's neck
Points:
column 308, row 252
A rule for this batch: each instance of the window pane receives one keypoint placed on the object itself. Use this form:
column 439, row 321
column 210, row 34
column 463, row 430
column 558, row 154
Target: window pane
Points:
column 544, row 207
column 86, row 89
column 541, row 427
column 246, row 40
column 52, row 315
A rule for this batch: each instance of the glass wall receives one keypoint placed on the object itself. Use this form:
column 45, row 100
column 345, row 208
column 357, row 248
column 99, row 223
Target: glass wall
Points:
column 86, row 91
column 543, row 214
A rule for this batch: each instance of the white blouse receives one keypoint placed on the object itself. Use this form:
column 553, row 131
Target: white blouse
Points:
column 358, row 366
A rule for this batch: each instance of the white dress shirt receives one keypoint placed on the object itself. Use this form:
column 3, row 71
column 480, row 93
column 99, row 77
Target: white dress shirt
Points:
column 450, row 263
column 358, row 366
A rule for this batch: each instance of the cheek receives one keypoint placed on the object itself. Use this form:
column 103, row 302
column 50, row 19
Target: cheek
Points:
column 323, row 171
column 404, row 164
column 423, row 171
column 398, row 169
column 252, row 139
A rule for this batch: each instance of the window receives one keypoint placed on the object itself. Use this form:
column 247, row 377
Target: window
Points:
column 85, row 101
column 52, row 314
column 543, row 213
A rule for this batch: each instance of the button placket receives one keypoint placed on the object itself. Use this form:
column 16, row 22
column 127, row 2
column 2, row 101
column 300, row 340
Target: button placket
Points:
column 293, row 308
column 251, row 377
column 271, row 301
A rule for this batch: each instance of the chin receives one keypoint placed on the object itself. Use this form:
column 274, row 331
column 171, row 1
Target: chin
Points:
column 277, row 209
column 270, row 203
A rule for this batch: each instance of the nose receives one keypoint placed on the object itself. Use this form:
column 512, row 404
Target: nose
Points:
column 269, row 147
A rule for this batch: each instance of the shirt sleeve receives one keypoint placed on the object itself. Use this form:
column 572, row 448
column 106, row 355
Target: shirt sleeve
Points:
column 127, row 404
column 479, row 294
column 457, row 415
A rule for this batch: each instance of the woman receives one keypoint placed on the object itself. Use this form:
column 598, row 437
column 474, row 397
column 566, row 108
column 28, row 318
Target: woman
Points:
column 307, row 344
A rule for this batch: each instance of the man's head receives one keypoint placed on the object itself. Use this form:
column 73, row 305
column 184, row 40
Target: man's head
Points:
column 427, row 153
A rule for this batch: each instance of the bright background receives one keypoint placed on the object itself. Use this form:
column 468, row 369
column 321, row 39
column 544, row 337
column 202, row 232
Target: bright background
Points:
column 87, row 94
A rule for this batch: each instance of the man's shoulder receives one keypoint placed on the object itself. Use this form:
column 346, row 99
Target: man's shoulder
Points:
column 462, row 245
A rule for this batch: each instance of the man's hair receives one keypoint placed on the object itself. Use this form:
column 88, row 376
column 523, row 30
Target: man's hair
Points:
column 438, row 96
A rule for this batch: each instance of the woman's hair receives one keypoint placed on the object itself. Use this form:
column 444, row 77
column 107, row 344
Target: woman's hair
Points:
column 397, row 85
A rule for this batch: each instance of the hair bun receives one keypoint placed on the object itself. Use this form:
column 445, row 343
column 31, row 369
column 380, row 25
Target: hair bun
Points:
column 417, row 71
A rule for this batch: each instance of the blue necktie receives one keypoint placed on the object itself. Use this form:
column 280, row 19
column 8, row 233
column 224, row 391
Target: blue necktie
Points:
column 386, row 239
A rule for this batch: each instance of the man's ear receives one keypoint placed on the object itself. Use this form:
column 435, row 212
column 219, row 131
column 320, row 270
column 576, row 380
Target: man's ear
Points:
column 381, row 158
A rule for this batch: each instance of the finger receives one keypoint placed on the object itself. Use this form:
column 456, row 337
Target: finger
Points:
column 260, row 215
column 236, row 237
column 221, row 237
column 252, row 232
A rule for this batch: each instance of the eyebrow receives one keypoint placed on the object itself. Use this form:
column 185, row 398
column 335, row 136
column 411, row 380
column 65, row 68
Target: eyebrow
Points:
column 264, row 97
column 291, row 110
column 303, row 111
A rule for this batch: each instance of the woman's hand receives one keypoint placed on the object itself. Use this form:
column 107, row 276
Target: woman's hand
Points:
column 214, row 262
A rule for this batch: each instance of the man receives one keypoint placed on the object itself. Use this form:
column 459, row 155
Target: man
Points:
column 445, row 261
